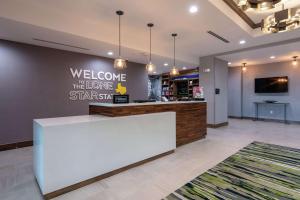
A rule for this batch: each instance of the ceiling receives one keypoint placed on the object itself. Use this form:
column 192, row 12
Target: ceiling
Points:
column 93, row 25
column 258, row 16
column 283, row 52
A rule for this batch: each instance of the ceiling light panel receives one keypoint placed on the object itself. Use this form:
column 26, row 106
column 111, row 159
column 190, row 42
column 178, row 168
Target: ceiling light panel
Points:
column 193, row 9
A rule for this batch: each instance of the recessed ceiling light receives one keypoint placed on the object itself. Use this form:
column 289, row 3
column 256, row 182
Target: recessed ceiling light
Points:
column 110, row 53
column 243, row 42
column 272, row 57
column 229, row 63
column 193, row 9
column 183, row 67
column 166, row 64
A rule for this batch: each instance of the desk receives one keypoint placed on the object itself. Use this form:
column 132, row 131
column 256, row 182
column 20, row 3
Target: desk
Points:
column 72, row 152
column 275, row 103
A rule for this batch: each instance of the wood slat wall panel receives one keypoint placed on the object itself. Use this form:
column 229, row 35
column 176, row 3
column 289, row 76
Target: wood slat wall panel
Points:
column 190, row 117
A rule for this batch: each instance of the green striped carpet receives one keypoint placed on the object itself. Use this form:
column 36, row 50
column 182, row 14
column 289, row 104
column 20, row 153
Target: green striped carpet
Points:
column 258, row 171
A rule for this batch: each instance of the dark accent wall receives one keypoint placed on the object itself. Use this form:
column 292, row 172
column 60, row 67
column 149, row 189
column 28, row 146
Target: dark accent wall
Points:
column 35, row 83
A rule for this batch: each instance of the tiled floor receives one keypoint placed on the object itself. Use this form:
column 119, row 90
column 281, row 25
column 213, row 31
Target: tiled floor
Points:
column 156, row 179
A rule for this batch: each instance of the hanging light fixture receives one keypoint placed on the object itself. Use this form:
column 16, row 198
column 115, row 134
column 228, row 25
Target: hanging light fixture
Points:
column 150, row 67
column 259, row 5
column 120, row 63
column 284, row 20
column 244, row 68
column 174, row 70
column 295, row 61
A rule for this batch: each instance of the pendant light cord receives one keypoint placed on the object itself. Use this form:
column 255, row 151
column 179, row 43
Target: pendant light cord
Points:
column 119, row 35
column 150, row 44
column 174, row 52
column 150, row 25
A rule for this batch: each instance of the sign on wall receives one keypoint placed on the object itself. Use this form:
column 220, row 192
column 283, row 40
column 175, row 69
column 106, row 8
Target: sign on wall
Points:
column 96, row 85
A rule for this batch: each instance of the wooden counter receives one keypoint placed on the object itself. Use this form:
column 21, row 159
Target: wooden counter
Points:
column 190, row 116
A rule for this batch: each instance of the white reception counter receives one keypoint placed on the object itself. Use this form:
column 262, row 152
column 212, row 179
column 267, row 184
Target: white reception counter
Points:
column 71, row 152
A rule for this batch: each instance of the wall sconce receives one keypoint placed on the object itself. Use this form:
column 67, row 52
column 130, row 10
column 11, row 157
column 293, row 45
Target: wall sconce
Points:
column 244, row 68
column 295, row 61
column 206, row 70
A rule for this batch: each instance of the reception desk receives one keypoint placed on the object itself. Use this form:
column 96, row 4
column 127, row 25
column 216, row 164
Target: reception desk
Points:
column 190, row 116
column 71, row 152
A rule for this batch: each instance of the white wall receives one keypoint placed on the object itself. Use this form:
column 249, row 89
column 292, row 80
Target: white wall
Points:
column 217, row 106
column 221, row 100
column 207, row 81
column 234, row 91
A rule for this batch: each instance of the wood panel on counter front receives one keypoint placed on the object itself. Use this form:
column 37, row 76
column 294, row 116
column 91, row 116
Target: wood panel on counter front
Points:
column 190, row 117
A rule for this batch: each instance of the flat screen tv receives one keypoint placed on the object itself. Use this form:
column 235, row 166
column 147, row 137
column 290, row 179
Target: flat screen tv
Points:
column 182, row 88
column 272, row 85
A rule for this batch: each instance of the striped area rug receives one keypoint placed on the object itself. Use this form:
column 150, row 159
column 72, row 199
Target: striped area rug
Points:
column 258, row 171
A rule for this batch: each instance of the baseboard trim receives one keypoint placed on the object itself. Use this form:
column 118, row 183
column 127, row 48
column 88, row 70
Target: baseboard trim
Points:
column 16, row 145
column 265, row 119
column 234, row 117
column 217, row 125
column 103, row 176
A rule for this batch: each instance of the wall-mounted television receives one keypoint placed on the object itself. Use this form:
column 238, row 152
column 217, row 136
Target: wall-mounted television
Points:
column 182, row 88
column 272, row 85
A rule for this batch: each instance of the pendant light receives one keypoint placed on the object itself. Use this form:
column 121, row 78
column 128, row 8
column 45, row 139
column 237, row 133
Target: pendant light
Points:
column 295, row 61
column 174, row 70
column 120, row 63
column 150, row 67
